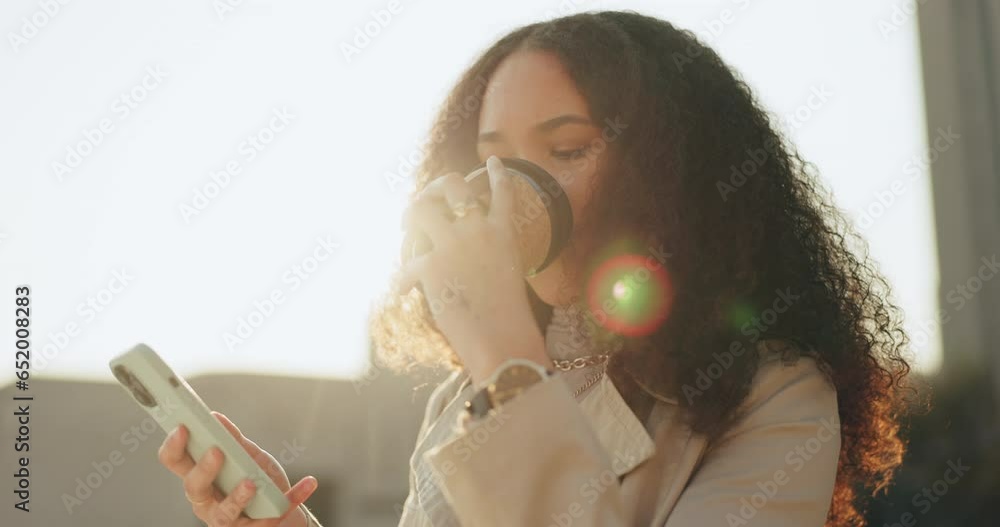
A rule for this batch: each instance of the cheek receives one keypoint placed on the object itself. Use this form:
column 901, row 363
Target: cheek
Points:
column 578, row 193
column 577, row 181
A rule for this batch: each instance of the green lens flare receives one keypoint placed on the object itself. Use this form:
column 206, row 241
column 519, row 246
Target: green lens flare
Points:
column 628, row 295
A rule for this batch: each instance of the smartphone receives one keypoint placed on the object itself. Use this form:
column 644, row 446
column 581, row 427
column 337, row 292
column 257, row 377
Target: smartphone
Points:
column 169, row 399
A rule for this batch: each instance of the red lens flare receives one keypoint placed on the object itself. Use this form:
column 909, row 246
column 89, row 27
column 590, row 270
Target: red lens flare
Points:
column 628, row 295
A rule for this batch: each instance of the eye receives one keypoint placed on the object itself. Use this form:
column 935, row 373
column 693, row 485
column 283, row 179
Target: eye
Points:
column 569, row 155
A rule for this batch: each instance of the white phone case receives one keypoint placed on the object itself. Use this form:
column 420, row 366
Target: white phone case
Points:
column 169, row 399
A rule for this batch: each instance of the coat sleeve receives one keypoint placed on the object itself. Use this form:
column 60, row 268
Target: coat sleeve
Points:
column 431, row 411
column 530, row 462
column 538, row 461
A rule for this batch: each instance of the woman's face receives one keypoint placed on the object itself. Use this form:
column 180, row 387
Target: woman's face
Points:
column 532, row 110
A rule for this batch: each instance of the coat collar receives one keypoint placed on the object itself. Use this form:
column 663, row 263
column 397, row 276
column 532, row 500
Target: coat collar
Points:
column 624, row 439
column 619, row 431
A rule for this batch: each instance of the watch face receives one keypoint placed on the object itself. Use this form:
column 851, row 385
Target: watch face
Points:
column 513, row 380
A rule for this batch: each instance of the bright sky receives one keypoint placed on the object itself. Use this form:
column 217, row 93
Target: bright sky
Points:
column 129, row 242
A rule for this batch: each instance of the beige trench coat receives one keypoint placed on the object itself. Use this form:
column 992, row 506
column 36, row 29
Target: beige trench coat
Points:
column 545, row 459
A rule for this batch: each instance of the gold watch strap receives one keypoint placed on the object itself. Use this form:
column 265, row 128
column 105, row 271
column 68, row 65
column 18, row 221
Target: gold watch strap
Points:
column 481, row 403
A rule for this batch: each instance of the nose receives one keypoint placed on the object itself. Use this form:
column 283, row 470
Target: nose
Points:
column 536, row 158
column 543, row 198
column 552, row 183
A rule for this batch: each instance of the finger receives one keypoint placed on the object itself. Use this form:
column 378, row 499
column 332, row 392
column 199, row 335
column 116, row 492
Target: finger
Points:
column 434, row 192
column 258, row 454
column 411, row 274
column 229, row 509
column 438, row 187
column 460, row 196
column 252, row 448
column 301, row 491
column 198, row 482
column 451, row 190
column 414, row 244
column 432, row 217
column 230, row 427
column 298, row 494
column 173, row 452
column 502, row 188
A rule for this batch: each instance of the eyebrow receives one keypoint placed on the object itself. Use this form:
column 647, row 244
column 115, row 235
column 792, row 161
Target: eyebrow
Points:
column 544, row 126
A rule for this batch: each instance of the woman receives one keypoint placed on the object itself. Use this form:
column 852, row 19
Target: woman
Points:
column 758, row 383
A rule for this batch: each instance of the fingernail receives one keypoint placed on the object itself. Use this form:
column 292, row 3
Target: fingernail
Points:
column 309, row 485
column 494, row 171
column 248, row 484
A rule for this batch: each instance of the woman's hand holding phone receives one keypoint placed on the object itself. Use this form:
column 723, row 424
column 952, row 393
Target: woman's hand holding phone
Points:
column 209, row 504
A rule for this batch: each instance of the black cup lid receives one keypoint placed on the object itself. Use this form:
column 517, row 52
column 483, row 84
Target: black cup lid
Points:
column 554, row 198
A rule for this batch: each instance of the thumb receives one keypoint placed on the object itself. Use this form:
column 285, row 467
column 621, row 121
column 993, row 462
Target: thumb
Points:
column 502, row 202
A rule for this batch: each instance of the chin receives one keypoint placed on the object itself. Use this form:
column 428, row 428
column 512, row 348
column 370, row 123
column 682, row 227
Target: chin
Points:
column 549, row 285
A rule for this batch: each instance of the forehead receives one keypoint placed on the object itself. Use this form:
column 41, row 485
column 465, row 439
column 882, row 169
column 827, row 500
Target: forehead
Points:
column 529, row 87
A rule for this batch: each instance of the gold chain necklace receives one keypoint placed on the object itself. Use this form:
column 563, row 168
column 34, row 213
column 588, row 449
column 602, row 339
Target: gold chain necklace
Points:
column 583, row 362
column 589, row 383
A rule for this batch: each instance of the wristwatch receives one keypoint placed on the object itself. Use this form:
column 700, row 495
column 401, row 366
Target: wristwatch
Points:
column 510, row 379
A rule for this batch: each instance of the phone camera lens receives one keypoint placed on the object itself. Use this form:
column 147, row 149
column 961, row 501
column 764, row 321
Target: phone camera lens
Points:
column 138, row 390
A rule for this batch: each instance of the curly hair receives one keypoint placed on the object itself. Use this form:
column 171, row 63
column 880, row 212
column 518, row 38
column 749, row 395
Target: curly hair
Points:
column 704, row 170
